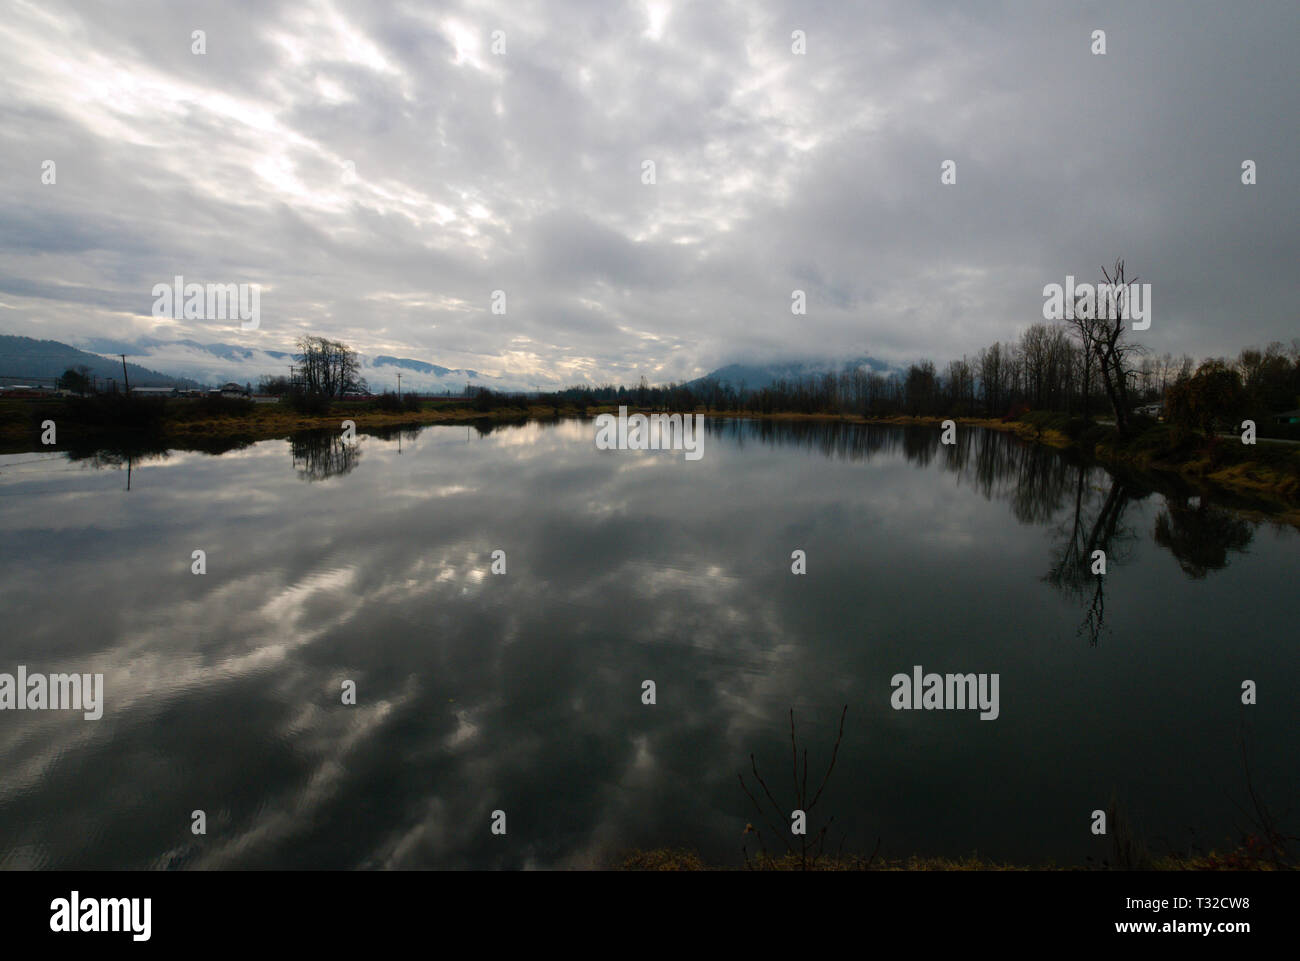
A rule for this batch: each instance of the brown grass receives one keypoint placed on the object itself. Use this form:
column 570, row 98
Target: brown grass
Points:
column 677, row 859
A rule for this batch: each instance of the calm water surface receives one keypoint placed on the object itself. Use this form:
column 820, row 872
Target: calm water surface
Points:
column 522, row 692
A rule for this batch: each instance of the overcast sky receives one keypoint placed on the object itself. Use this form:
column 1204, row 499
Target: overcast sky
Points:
column 379, row 170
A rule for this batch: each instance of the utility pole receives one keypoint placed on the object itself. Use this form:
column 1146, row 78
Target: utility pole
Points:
column 399, row 385
column 126, row 380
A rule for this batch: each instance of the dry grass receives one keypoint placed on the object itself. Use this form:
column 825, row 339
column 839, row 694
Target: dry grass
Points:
column 1256, row 477
column 677, row 859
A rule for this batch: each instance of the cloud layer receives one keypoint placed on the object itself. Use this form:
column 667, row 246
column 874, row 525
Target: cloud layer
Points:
column 380, row 171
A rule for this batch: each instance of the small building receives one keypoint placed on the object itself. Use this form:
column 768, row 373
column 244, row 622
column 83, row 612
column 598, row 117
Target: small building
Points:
column 153, row 391
column 1287, row 417
column 231, row 390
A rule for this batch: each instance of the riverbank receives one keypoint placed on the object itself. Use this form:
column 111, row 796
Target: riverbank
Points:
column 1266, row 468
column 670, row 859
column 673, row 859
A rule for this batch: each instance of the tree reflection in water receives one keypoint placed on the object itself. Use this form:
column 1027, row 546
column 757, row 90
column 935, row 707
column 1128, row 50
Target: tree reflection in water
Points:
column 321, row 454
column 1086, row 503
column 1200, row 535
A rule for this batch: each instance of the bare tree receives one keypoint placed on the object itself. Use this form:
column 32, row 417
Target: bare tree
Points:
column 1084, row 326
column 1112, row 350
column 992, row 373
column 810, row 849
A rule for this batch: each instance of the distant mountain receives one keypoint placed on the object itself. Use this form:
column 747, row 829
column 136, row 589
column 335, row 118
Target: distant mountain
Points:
column 23, row 357
column 144, row 345
column 758, row 376
column 383, row 360
column 192, row 363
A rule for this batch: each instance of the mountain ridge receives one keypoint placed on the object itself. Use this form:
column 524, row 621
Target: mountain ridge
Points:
column 27, row 357
column 194, row 363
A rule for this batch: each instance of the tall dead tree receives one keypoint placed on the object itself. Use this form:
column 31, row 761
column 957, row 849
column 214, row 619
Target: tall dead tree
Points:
column 1084, row 329
column 1109, row 345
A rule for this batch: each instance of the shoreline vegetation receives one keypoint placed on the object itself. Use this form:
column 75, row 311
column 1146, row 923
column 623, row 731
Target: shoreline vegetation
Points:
column 1268, row 469
column 681, row 859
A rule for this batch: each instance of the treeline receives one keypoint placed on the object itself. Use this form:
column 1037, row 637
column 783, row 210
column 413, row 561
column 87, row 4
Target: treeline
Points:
column 1043, row 370
column 1083, row 365
column 1082, row 368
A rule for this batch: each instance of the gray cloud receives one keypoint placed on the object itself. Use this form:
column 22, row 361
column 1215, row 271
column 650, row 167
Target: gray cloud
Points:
column 380, row 172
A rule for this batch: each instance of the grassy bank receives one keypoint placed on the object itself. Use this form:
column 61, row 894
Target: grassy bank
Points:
column 673, row 859
column 1262, row 468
